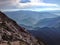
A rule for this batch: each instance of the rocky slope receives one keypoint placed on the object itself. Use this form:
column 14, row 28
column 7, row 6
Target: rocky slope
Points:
column 13, row 34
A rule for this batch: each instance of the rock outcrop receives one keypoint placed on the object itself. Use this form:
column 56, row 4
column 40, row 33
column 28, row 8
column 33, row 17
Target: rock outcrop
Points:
column 13, row 34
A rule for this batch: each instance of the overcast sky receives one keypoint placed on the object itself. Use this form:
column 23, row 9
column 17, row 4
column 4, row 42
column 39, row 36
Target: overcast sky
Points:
column 37, row 5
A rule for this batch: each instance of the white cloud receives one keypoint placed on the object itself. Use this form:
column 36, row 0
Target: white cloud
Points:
column 16, row 4
column 45, row 9
column 8, row 4
column 34, row 3
column 10, row 10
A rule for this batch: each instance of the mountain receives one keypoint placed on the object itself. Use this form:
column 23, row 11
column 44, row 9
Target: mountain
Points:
column 28, row 21
column 49, row 35
column 13, row 34
column 49, row 22
column 27, row 16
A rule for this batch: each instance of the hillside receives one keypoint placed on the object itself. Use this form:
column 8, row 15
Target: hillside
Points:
column 13, row 34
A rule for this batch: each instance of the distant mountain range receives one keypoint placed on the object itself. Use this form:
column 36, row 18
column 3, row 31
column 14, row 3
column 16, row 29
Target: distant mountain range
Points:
column 49, row 22
column 29, row 17
column 45, row 25
column 50, row 35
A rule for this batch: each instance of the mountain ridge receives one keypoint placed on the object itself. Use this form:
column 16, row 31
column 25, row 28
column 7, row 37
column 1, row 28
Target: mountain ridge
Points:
column 10, row 31
column 48, row 22
column 20, row 15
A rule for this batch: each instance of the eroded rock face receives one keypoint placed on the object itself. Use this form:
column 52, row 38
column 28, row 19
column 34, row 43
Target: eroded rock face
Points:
column 11, row 33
